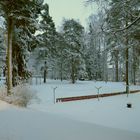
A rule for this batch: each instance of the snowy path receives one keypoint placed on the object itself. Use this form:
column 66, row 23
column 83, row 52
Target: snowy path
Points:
column 17, row 124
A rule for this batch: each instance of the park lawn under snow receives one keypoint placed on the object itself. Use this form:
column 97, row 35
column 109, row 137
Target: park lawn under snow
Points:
column 66, row 89
column 108, row 118
column 109, row 111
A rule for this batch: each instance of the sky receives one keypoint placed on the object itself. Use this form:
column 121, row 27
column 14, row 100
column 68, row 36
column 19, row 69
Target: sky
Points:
column 69, row 9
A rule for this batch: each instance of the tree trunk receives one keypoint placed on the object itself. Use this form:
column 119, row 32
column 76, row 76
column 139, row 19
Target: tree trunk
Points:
column 134, row 66
column 9, row 56
column 127, row 67
column 61, row 67
column 127, row 52
column 134, row 72
column 116, row 66
column 73, row 71
column 134, row 76
column 61, row 72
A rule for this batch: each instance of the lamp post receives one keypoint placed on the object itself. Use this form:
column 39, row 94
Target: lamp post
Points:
column 54, row 89
column 45, row 71
column 98, row 90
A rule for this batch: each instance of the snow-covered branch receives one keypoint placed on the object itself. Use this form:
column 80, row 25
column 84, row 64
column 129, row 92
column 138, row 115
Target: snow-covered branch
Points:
column 125, row 28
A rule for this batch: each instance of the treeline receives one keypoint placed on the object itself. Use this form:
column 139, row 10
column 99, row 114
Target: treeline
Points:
column 108, row 50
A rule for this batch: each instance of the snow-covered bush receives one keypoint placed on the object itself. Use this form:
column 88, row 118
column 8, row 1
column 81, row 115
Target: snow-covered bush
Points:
column 22, row 95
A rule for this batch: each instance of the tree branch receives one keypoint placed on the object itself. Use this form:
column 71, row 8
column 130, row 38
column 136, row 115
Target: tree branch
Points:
column 137, row 19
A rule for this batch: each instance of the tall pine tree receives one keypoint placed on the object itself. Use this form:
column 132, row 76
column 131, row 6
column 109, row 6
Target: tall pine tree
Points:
column 17, row 13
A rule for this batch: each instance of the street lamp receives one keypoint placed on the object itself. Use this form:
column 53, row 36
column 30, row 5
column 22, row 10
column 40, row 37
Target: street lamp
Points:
column 45, row 71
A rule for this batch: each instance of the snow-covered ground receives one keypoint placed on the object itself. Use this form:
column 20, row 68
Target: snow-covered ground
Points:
column 17, row 124
column 108, row 118
column 109, row 111
column 66, row 89
column 4, row 105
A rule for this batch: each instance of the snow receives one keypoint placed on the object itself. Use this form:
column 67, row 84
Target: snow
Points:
column 109, row 118
column 66, row 89
column 30, row 125
column 110, row 111
column 4, row 105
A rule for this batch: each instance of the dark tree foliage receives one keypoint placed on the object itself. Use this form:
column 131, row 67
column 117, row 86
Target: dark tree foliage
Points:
column 22, row 15
column 73, row 33
column 49, row 31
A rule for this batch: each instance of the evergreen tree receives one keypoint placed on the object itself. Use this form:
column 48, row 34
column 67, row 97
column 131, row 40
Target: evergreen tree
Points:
column 121, row 26
column 73, row 33
column 48, row 28
column 17, row 13
column 45, row 50
column 120, row 16
column 23, row 40
column 96, row 57
column 61, row 55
